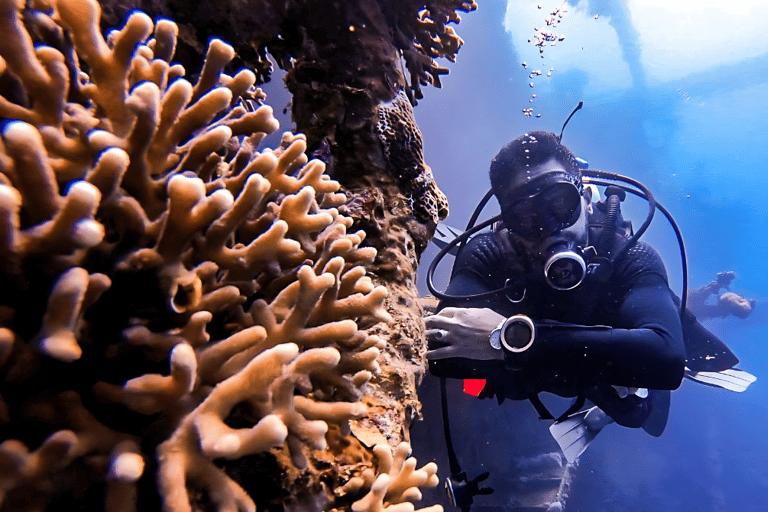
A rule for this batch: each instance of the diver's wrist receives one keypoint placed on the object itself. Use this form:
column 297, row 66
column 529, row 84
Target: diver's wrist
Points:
column 495, row 337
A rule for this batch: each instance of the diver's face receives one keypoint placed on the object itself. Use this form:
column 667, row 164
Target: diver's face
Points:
column 543, row 207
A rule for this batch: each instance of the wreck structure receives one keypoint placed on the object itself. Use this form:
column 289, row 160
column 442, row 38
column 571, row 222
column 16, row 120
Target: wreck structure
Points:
column 188, row 320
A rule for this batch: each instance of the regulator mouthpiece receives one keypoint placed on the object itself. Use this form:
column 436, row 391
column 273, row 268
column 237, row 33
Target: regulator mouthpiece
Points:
column 565, row 268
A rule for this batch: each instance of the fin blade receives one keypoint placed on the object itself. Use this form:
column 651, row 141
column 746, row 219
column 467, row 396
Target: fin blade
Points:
column 731, row 379
column 575, row 433
column 657, row 420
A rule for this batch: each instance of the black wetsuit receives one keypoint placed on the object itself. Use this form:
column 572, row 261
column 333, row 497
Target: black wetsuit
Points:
column 623, row 330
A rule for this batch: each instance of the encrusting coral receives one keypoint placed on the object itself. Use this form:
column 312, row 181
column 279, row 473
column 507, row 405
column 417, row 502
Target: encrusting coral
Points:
column 173, row 301
column 403, row 149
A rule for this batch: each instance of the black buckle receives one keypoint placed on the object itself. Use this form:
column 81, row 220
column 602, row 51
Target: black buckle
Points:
column 461, row 490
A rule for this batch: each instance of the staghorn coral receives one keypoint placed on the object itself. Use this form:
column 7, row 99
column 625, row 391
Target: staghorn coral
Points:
column 347, row 62
column 393, row 485
column 172, row 298
column 426, row 36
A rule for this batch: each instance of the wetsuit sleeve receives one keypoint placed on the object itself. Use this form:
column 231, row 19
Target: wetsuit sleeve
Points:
column 644, row 347
column 480, row 267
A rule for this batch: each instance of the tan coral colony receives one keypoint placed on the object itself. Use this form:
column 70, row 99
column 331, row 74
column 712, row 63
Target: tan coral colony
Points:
column 183, row 313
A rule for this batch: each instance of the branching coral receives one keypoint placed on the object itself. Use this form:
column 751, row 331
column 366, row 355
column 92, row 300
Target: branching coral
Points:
column 172, row 297
column 424, row 37
column 393, row 485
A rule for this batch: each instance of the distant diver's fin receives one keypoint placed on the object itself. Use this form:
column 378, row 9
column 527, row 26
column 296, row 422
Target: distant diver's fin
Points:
column 657, row 419
column 575, row 433
column 731, row 379
column 445, row 234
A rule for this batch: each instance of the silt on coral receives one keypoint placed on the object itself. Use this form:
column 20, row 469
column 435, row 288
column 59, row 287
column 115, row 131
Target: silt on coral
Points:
column 172, row 297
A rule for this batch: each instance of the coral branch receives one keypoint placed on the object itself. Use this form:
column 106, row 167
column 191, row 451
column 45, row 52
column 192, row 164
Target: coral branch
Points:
column 396, row 481
column 57, row 336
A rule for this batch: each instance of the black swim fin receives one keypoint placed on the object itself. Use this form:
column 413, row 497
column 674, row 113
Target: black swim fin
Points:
column 657, row 419
column 577, row 431
column 704, row 351
column 731, row 379
column 444, row 235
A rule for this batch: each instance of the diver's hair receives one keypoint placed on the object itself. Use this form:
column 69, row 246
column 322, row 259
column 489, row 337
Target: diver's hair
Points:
column 528, row 150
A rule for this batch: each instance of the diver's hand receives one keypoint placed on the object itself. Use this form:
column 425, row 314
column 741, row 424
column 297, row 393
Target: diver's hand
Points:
column 464, row 330
column 459, row 343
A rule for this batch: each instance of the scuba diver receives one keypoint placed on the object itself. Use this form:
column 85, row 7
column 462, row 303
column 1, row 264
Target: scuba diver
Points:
column 701, row 302
column 561, row 296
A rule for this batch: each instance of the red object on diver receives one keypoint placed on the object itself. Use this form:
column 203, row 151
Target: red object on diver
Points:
column 474, row 386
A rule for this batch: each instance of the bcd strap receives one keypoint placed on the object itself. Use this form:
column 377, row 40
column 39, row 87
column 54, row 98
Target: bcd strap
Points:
column 575, row 407
column 461, row 489
column 544, row 414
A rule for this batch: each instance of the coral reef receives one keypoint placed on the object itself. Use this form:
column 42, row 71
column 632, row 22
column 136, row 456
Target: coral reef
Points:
column 403, row 149
column 345, row 65
column 183, row 316
column 348, row 62
column 420, row 32
column 426, row 36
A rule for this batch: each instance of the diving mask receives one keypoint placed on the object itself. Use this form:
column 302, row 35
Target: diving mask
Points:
column 544, row 206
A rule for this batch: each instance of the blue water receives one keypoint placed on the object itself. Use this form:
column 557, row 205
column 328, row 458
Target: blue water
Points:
column 693, row 129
